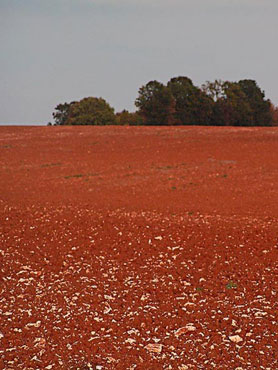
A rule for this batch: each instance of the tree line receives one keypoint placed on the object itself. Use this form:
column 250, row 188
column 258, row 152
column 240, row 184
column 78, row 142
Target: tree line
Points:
column 179, row 102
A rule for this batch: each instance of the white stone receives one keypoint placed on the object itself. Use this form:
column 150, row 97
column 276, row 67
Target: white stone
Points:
column 235, row 339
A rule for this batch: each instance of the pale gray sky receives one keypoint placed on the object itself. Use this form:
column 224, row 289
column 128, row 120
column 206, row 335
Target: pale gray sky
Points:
column 54, row 51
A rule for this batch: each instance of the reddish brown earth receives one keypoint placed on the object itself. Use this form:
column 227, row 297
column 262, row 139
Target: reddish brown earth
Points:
column 138, row 248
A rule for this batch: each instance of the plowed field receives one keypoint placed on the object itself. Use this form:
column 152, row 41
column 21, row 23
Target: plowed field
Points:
column 138, row 248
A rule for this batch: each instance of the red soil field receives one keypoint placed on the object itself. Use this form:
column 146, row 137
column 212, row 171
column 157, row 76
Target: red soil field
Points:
column 138, row 248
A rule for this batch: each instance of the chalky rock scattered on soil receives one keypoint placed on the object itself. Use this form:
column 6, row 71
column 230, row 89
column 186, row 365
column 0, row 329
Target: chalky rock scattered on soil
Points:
column 138, row 248
column 156, row 348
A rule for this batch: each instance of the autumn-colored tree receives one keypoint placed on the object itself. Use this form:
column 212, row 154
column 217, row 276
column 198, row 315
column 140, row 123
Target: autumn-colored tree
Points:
column 274, row 115
column 129, row 118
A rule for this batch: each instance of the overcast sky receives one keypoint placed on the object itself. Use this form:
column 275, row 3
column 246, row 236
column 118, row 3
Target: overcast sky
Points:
column 54, row 51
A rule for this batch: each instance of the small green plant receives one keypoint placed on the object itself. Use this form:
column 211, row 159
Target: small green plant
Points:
column 72, row 176
column 199, row 289
column 231, row 285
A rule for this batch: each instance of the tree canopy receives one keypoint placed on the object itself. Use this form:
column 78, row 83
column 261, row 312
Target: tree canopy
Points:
column 129, row 118
column 231, row 106
column 61, row 113
column 179, row 102
column 156, row 104
column 88, row 111
column 261, row 107
column 188, row 101
column 240, row 103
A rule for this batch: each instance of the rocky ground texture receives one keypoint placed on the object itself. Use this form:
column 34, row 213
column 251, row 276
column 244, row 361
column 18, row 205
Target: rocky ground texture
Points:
column 138, row 248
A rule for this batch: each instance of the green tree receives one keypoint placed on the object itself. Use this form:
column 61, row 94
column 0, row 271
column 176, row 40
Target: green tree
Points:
column 239, row 110
column 156, row 104
column 261, row 107
column 231, row 106
column 61, row 113
column 192, row 105
column 91, row 111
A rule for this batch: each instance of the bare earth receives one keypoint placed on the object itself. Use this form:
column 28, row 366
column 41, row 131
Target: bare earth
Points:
column 138, row 248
